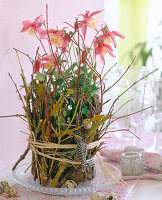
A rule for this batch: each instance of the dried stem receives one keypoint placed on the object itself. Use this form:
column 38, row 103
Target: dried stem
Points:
column 22, row 157
column 31, row 59
column 111, row 108
column 128, row 130
column 81, row 101
column 120, row 76
column 41, row 44
column 123, row 116
column 16, row 115
column 20, row 97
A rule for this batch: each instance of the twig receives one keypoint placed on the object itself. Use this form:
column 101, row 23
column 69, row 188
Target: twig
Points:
column 16, row 115
column 41, row 44
column 109, row 70
column 20, row 97
column 31, row 59
column 81, row 101
column 120, row 130
column 123, row 116
column 134, row 113
column 22, row 157
column 122, row 106
column 120, row 76
column 111, row 108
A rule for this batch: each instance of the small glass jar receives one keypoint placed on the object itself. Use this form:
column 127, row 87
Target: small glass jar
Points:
column 131, row 164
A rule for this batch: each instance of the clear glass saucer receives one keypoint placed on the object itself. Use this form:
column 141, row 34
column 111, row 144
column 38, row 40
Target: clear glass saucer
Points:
column 98, row 183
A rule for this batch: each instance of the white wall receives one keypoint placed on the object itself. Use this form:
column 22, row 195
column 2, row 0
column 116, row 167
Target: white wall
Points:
column 12, row 13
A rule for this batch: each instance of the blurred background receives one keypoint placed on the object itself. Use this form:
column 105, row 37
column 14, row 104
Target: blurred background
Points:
column 139, row 20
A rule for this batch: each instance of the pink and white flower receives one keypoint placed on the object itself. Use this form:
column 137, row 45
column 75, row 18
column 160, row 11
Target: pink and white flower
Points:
column 32, row 27
column 57, row 37
column 89, row 21
column 47, row 62
column 102, row 42
column 102, row 49
column 109, row 36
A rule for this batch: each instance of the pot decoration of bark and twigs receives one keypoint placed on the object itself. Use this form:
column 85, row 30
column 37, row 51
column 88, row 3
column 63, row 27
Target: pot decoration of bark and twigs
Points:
column 64, row 100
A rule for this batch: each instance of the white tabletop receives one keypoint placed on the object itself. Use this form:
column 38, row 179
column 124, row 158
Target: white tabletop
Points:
column 144, row 190
column 147, row 190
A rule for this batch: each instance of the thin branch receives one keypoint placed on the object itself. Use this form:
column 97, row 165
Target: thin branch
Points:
column 122, row 106
column 81, row 102
column 120, row 76
column 121, row 130
column 20, row 97
column 109, row 70
column 128, row 115
column 22, row 157
column 16, row 115
column 111, row 108
column 41, row 44
column 31, row 59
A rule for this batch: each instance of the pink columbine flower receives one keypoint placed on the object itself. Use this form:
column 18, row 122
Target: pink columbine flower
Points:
column 88, row 21
column 102, row 43
column 57, row 37
column 32, row 27
column 47, row 62
column 101, row 49
column 109, row 36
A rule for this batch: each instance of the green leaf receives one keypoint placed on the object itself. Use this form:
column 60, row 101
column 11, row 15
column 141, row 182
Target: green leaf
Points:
column 50, row 101
column 95, row 65
column 86, row 89
column 72, row 83
column 39, row 76
column 90, row 74
column 68, row 120
column 94, row 88
column 85, row 111
column 62, row 121
column 60, row 81
column 64, row 113
column 77, row 51
column 70, row 68
column 48, row 90
column 81, row 81
column 54, row 73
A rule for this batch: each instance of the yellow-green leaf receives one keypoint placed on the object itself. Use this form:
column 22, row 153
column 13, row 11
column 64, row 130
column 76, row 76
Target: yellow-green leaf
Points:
column 70, row 91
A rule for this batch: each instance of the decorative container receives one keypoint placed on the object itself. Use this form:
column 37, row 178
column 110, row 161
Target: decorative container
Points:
column 131, row 164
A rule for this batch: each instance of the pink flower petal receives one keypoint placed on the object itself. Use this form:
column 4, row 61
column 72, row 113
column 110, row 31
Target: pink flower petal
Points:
column 102, row 59
column 57, row 68
column 46, row 58
column 84, row 30
column 41, row 36
column 113, row 39
column 26, row 22
column 99, row 49
column 26, row 25
column 95, row 13
column 118, row 34
column 108, row 47
column 110, row 53
column 37, row 65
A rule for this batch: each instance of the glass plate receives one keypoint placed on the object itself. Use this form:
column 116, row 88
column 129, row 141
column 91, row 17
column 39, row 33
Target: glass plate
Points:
column 98, row 183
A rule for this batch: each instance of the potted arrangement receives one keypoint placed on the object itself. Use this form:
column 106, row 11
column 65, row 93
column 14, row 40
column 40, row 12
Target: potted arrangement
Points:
column 64, row 100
